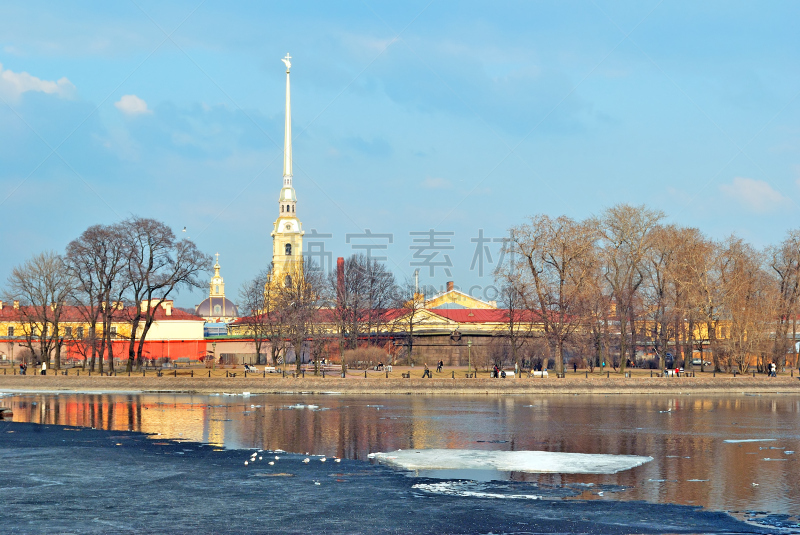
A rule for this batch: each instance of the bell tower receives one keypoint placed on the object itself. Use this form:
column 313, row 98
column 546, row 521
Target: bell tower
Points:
column 217, row 282
column 287, row 232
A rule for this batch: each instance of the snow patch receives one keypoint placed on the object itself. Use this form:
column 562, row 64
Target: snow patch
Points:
column 742, row 440
column 511, row 461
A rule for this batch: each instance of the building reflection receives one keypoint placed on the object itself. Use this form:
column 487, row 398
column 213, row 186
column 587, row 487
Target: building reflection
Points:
column 684, row 434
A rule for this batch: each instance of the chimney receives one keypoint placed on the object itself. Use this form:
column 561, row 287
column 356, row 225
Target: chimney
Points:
column 167, row 306
column 16, row 304
column 416, row 281
column 450, row 286
column 1, row 305
column 339, row 280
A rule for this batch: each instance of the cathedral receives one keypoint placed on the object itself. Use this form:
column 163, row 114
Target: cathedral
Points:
column 287, row 232
column 217, row 308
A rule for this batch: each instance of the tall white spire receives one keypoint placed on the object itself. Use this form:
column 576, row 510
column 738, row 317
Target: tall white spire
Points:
column 287, row 133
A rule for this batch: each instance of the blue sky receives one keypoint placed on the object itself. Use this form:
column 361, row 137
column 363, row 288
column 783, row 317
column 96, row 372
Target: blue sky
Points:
column 461, row 117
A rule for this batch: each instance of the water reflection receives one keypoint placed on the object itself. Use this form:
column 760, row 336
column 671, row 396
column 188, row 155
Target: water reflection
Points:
column 684, row 434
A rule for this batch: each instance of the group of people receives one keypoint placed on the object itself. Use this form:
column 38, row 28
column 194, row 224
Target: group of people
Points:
column 23, row 368
column 427, row 372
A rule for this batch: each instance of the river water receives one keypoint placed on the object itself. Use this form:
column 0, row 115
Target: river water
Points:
column 729, row 454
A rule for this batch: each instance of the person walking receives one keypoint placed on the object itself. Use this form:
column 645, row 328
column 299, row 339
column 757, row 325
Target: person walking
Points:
column 44, row 368
column 427, row 372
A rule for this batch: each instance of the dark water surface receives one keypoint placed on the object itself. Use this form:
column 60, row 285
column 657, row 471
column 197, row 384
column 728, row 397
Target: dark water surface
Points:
column 188, row 474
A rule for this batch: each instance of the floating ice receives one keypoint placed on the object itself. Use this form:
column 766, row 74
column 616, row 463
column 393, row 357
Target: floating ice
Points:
column 741, row 440
column 463, row 488
column 511, row 461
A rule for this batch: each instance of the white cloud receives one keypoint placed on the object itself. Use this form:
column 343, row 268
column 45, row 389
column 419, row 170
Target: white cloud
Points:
column 132, row 105
column 436, row 183
column 13, row 84
column 754, row 195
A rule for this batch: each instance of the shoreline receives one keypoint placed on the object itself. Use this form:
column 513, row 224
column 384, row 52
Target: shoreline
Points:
column 414, row 386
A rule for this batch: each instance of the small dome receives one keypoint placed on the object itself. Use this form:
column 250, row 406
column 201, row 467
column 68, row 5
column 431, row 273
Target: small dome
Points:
column 217, row 307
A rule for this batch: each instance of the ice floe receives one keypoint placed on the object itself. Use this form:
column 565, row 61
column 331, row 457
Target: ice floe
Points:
column 510, row 461
column 460, row 488
column 742, row 440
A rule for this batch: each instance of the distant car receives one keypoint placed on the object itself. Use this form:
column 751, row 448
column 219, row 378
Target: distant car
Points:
column 697, row 362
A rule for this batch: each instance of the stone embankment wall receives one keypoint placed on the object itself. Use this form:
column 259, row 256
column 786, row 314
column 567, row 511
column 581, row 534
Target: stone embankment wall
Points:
column 353, row 385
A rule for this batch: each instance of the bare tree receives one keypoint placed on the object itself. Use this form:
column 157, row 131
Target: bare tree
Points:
column 409, row 314
column 298, row 301
column 660, row 261
column 364, row 297
column 784, row 262
column 748, row 303
column 158, row 265
column 519, row 321
column 263, row 322
column 42, row 285
column 552, row 270
column 96, row 260
column 626, row 239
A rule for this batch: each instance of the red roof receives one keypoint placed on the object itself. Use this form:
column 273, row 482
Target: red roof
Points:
column 72, row 313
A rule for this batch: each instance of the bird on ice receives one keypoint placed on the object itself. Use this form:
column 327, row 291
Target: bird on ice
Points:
column 306, row 460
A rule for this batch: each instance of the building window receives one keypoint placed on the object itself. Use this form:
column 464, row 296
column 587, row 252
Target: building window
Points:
column 288, row 249
column 11, row 331
column 292, row 209
column 67, row 331
column 281, row 208
column 80, row 332
column 216, row 289
column 217, row 310
column 113, row 331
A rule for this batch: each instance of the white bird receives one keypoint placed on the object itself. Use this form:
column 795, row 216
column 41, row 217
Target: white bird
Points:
column 246, row 463
column 271, row 463
column 260, row 458
column 317, row 483
column 276, row 457
column 338, row 460
column 184, row 229
column 306, row 460
column 323, row 460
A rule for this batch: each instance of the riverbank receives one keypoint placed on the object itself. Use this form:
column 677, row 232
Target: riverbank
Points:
column 379, row 384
